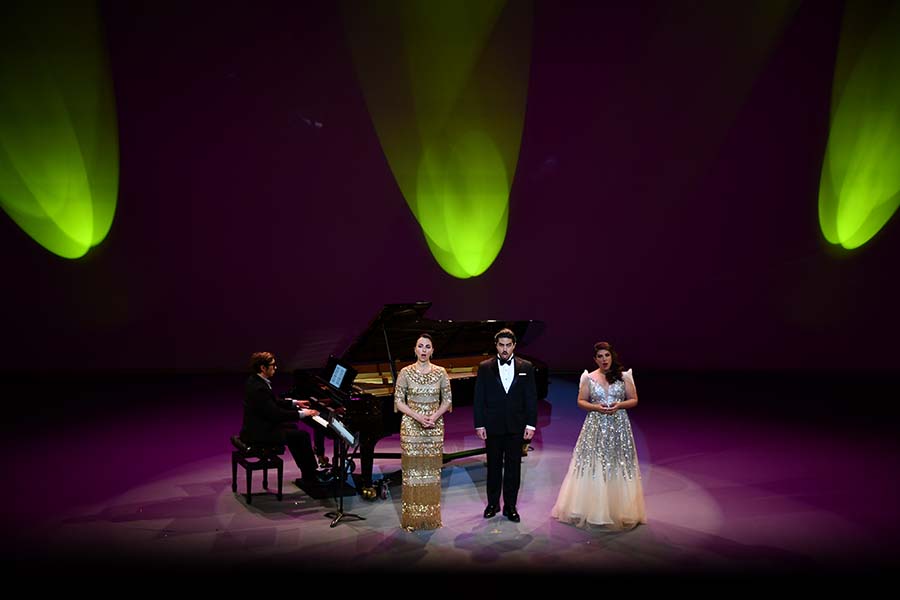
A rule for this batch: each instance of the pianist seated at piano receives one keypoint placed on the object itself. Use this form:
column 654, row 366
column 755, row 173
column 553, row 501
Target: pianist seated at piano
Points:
column 423, row 395
column 269, row 420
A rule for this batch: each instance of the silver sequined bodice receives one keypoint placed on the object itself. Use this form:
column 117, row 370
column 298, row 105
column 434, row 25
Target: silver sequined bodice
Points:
column 613, row 395
column 605, row 447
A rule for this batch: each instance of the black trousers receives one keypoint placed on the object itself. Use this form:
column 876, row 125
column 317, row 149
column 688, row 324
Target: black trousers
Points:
column 297, row 441
column 504, row 468
column 319, row 435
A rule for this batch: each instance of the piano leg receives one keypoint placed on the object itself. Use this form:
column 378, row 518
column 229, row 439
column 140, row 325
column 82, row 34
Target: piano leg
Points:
column 366, row 458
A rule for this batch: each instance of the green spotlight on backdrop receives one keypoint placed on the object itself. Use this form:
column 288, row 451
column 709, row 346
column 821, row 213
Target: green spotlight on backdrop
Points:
column 859, row 189
column 445, row 84
column 59, row 164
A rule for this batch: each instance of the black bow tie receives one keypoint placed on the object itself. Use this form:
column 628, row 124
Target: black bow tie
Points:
column 508, row 361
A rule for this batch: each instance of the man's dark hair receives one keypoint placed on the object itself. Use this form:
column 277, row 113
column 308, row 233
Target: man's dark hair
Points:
column 259, row 360
column 505, row 333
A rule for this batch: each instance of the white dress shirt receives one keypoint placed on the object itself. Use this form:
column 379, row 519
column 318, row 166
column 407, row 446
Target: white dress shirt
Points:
column 507, row 372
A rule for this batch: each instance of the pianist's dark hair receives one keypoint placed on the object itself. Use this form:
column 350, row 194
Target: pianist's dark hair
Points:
column 615, row 368
column 259, row 359
column 505, row 333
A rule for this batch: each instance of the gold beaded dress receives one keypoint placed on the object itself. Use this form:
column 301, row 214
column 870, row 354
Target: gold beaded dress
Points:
column 422, row 449
column 603, row 484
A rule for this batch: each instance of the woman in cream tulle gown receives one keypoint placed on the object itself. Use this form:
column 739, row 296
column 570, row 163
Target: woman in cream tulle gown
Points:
column 603, row 484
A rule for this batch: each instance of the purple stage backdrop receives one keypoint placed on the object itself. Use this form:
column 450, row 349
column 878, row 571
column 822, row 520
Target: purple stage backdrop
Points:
column 664, row 200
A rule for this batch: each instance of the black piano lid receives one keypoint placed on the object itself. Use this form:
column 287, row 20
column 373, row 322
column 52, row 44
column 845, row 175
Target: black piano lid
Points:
column 403, row 324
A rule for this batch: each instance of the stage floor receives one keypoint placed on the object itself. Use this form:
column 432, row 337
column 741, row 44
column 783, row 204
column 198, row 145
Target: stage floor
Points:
column 726, row 493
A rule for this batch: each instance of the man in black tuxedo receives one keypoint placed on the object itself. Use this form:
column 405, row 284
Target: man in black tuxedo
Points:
column 272, row 421
column 505, row 410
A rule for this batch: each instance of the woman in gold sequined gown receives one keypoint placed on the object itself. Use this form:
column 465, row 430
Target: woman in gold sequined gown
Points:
column 422, row 394
column 603, row 483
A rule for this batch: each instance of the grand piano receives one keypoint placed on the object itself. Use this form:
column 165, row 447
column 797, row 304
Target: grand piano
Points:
column 385, row 347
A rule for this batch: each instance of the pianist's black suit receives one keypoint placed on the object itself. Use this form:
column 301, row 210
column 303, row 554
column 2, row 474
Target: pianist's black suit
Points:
column 271, row 420
column 504, row 416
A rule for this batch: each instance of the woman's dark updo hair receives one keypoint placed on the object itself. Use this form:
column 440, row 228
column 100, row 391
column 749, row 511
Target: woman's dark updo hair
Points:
column 616, row 368
column 427, row 336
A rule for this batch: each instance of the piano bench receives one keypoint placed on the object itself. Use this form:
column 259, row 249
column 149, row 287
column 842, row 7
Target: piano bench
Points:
column 256, row 458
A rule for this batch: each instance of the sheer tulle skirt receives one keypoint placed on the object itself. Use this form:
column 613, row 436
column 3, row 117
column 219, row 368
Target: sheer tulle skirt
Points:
column 585, row 500
column 603, row 484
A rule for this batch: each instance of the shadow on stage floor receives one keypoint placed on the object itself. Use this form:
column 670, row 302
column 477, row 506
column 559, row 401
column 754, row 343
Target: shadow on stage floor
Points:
column 745, row 475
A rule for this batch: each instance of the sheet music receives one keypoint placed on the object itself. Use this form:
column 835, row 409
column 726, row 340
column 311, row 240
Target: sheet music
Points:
column 339, row 427
column 338, row 376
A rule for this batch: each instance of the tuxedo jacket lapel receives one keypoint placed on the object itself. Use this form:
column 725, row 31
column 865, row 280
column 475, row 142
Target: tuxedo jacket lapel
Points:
column 495, row 368
column 515, row 379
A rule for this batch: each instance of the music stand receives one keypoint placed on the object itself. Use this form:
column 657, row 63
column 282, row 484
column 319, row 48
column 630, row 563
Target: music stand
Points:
column 345, row 439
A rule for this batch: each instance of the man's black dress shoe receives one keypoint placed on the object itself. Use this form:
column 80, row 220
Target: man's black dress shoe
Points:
column 510, row 513
column 324, row 476
column 491, row 510
column 321, row 478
